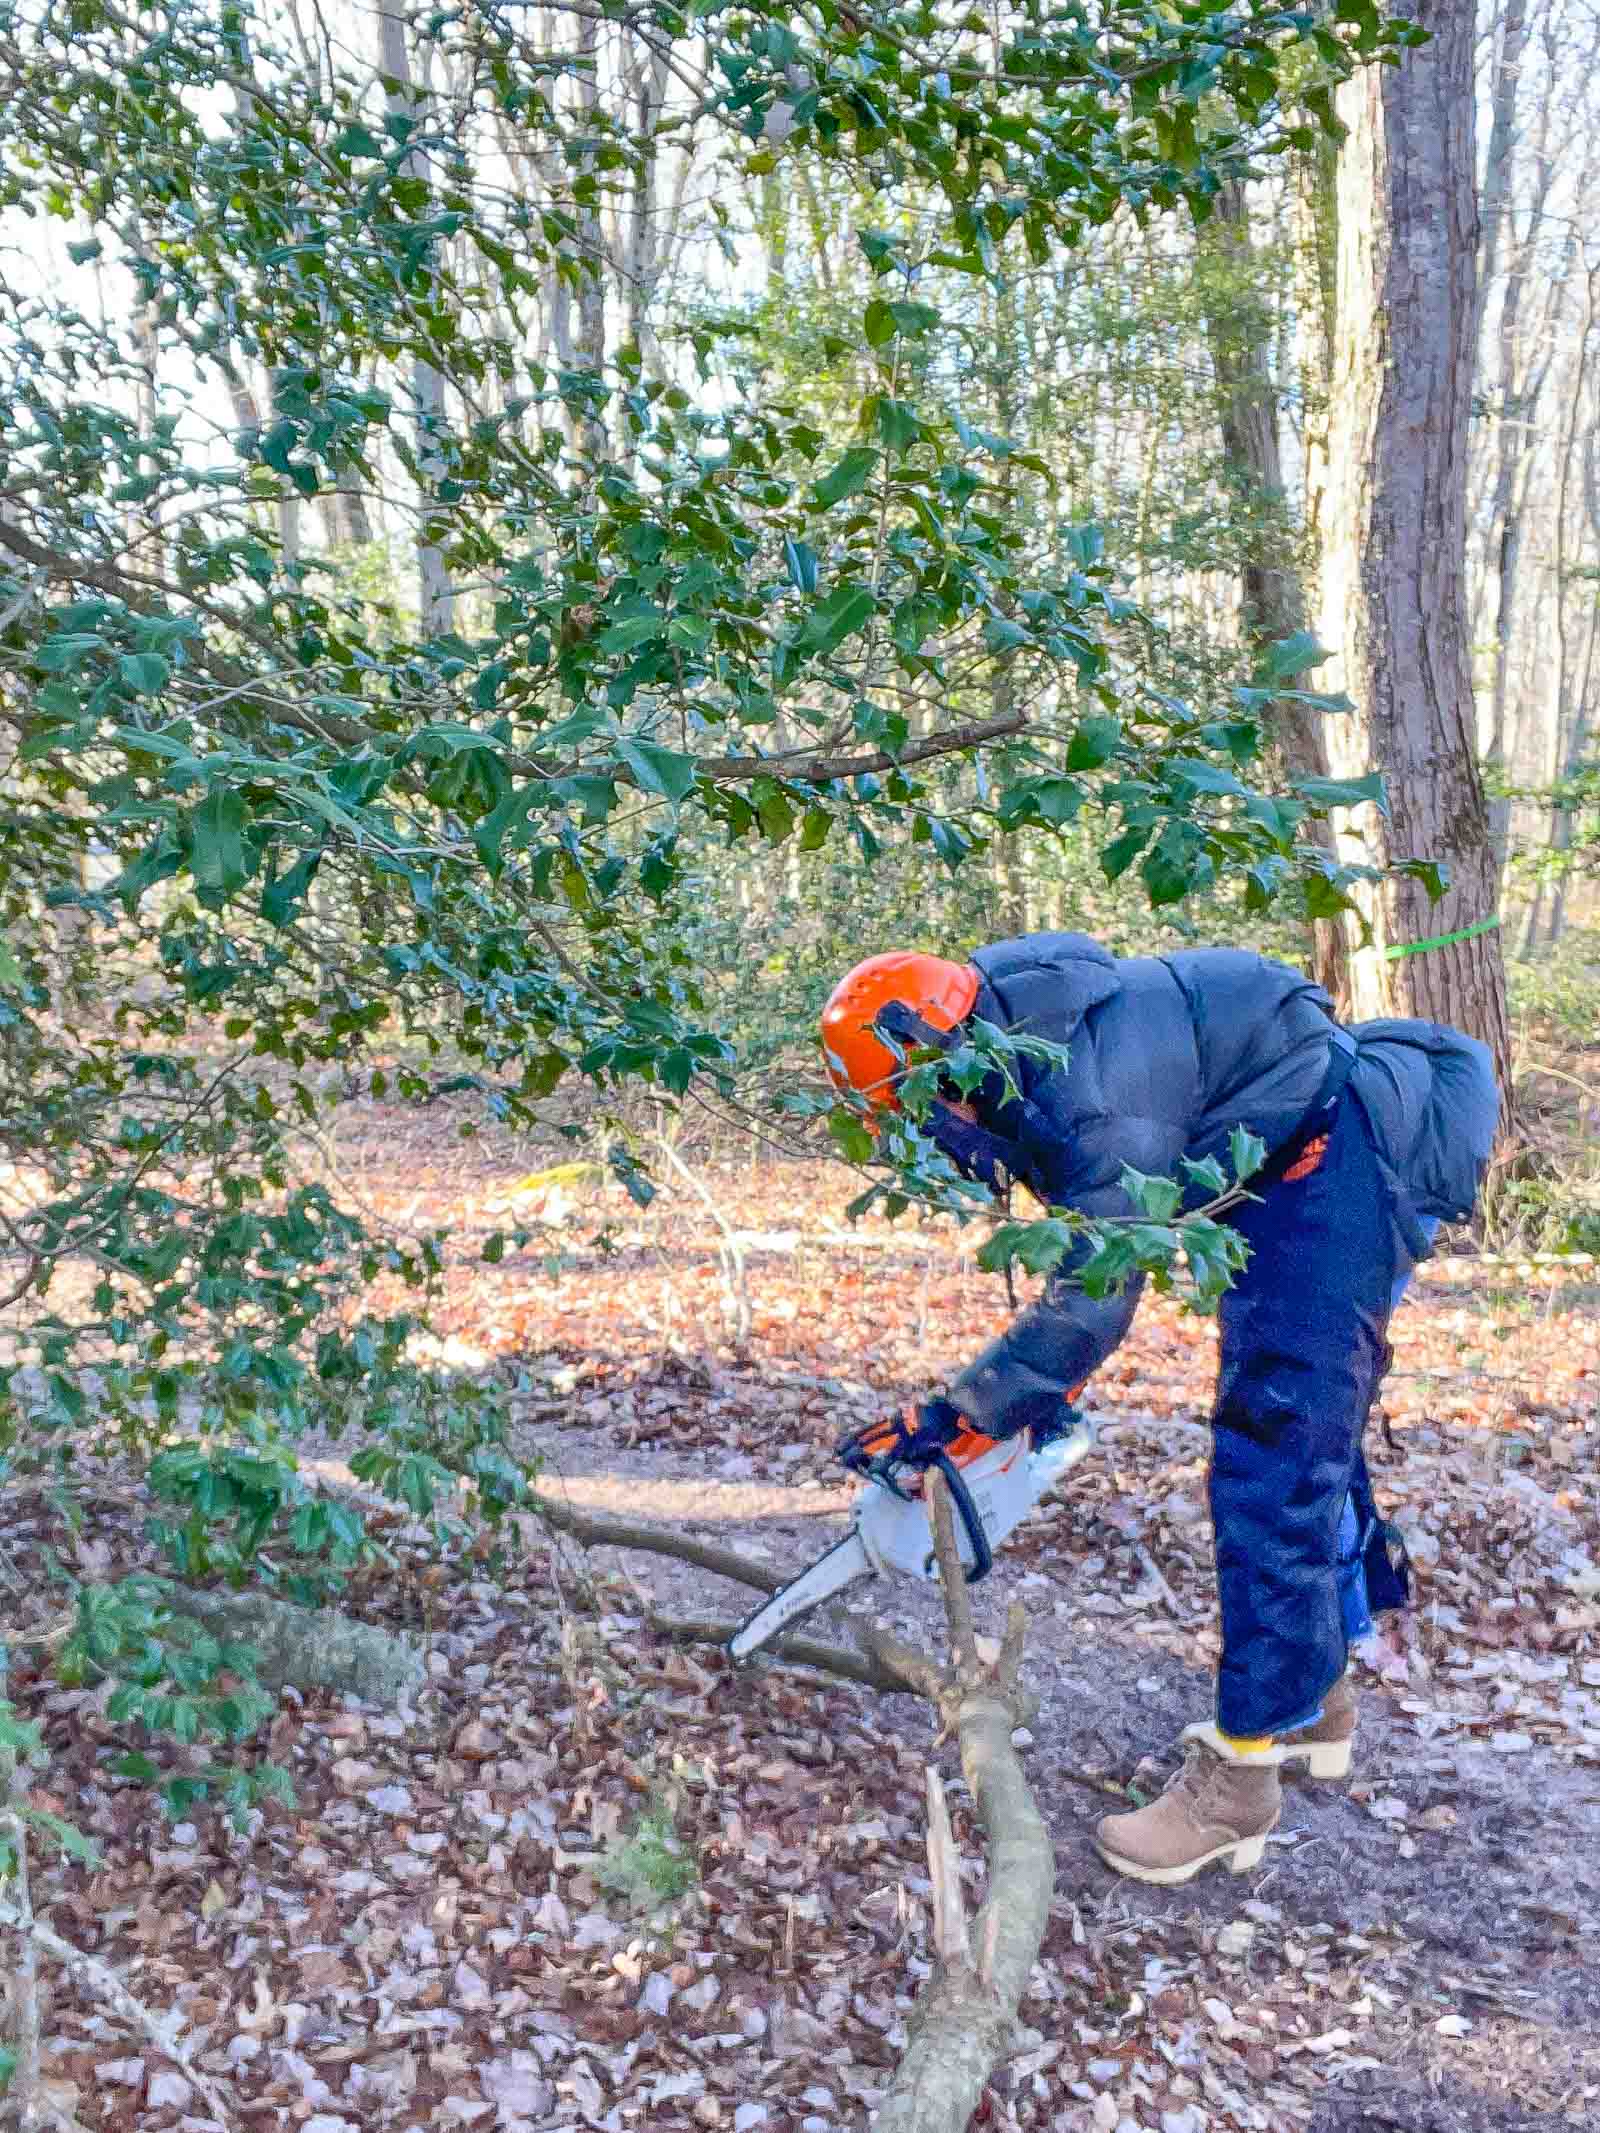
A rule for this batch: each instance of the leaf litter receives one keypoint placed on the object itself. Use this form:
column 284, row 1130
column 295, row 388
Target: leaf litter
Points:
column 594, row 1880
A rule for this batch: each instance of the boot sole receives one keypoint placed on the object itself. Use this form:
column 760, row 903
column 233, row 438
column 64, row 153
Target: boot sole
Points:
column 1241, row 1857
column 1324, row 1759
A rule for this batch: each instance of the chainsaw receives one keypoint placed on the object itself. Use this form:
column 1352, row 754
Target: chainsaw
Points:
column 993, row 1482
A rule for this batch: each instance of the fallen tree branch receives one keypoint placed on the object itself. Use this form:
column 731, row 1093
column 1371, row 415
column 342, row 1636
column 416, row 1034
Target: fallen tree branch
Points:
column 592, row 1532
column 860, row 1667
column 883, row 1663
column 944, row 1876
column 965, row 2020
column 313, row 1648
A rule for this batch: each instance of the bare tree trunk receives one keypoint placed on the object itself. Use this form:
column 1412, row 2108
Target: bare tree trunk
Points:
column 1010, row 875
column 427, row 384
column 591, row 347
column 345, row 523
column 1393, row 593
column 147, row 344
column 1569, row 708
column 246, row 409
column 1273, row 596
column 640, row 248
column 1500, row 235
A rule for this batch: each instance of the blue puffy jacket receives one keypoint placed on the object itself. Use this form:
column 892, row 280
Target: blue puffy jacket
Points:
column 1167, row 1055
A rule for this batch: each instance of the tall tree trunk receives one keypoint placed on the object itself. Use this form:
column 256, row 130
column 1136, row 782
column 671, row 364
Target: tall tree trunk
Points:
column 1010, row 875
column 1500, row 237
column 1393, row 525
column 1273, row 602
column 593, row 262
column 427, row 384
column 1569, row 707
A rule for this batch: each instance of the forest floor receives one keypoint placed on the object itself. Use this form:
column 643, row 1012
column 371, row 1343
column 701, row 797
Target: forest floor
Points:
column 596, row 1880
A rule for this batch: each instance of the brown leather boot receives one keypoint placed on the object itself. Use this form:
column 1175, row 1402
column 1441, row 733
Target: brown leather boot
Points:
column 1217, row 1807
column 1325, row 1747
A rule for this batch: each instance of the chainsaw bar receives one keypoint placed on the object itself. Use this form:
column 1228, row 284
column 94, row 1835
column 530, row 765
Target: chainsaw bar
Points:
column 843, row 1566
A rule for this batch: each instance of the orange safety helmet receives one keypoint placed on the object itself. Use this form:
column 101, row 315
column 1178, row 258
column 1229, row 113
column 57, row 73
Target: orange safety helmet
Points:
column 941, row 993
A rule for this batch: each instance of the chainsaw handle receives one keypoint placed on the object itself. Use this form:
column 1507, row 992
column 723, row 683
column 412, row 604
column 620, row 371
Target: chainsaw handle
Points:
column 967, row 1510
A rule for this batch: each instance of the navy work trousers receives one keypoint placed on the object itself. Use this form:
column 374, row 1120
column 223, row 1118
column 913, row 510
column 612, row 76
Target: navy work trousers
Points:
column 1303, row 1349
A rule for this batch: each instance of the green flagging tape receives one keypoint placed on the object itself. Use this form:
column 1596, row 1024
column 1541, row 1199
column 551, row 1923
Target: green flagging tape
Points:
column 1443, row 940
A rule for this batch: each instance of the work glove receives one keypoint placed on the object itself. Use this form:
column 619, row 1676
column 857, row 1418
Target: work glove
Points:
column 916, row 1441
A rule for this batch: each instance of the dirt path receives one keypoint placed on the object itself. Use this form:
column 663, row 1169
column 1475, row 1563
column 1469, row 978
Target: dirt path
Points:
column 1451, row 1893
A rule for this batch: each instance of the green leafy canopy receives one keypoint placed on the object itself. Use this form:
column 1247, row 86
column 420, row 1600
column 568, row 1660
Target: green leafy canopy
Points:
column 266, row 809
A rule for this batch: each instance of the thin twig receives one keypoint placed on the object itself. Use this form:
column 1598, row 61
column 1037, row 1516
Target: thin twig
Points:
column 732, row 1250
column 161, row 2030
column 1147, row 1563
column 24, row 2087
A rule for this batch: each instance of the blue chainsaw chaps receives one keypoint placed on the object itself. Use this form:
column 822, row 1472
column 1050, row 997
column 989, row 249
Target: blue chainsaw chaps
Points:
column 1355, row 1534
column 1302, row 1555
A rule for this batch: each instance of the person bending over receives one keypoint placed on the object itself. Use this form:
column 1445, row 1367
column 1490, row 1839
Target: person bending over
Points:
column 1375, row 1135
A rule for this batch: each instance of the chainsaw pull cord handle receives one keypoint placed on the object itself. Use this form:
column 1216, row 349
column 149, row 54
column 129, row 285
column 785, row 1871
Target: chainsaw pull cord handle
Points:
column 961, row 1497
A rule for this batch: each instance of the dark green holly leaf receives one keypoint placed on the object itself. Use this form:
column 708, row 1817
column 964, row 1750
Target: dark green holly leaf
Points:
column 630, row 631
column 1434, row 875
column 849, row 477
column 659, row 770
column 1323, row 898
column 219, row 858
column 1208, row 1174
column 145, row 673
column 1203, row 776
column 1160, row 1198
column 1344, row 792
column 284, row 892
column 801, row 561
column 848, row 608
column 1094, row 742
column 1247, row 1152
column 1122, row 851
column 898, row 424
column 1290, row 656
column 1037, row 1247
column 878, row 323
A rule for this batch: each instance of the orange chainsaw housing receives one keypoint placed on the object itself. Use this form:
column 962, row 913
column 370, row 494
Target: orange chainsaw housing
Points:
column 960, row 1451
column 940, row 992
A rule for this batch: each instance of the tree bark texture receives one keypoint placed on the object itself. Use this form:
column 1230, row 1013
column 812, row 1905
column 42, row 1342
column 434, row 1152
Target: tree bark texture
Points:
column 311, row 1648
column 1393, row 524
column 964, row 2024
column 1273, row 601
column 1513, row 443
